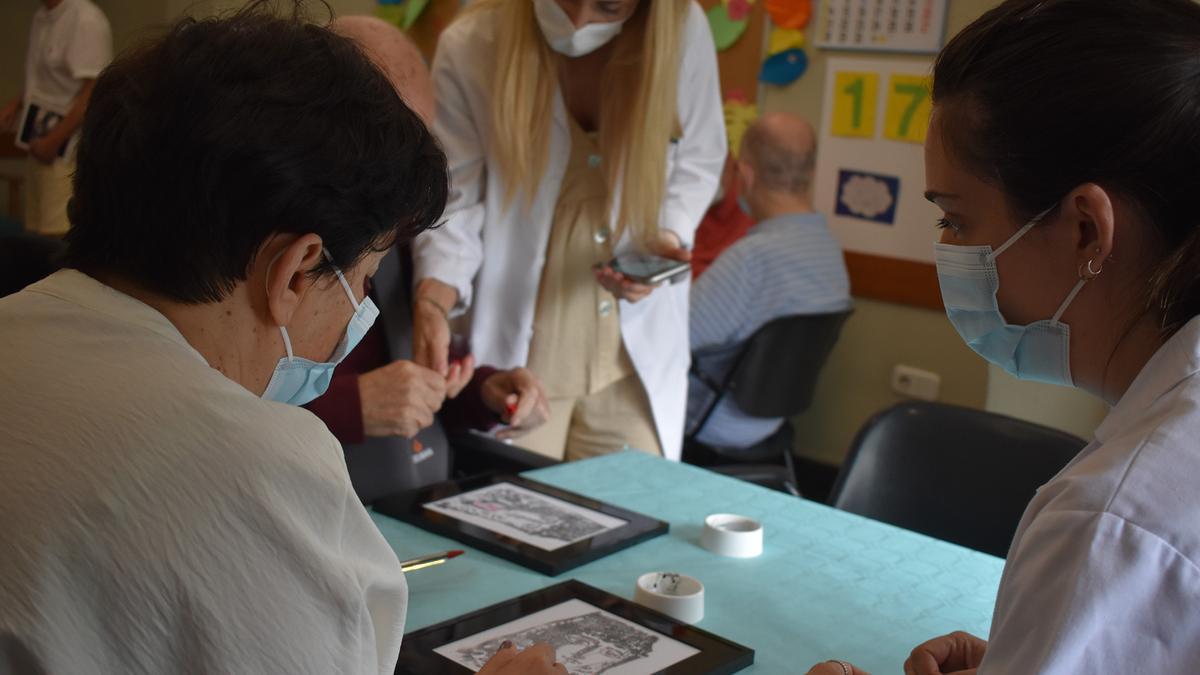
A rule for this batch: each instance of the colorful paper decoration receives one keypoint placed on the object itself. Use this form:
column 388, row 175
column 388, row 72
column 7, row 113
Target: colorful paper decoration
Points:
column 725, row 30
column 415, row 7
column 738, row 9
column 792, row 14
column 402, row 13
column 855, row 97
column 391, row 13
column 784, row 68
column 739, row 115
column 908, row 108
column 783, row 39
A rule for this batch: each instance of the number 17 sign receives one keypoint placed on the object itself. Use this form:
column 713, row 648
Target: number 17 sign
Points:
column 855, row 106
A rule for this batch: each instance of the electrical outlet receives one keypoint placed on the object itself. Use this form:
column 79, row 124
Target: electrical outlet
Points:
column 916, row 383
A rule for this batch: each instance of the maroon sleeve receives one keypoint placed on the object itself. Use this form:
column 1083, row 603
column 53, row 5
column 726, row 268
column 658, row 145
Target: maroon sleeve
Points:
column 340, row 408
column 467, row 410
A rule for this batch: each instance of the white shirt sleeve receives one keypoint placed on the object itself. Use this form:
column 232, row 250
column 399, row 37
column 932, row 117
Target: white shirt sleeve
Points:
column 700, row 152
column 90, row 50
column 453, row 253
column 1088, row 592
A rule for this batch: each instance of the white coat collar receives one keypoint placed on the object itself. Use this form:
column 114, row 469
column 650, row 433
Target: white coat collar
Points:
column 1174, row 362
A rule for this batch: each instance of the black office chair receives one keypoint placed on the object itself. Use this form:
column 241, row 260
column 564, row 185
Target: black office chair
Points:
column 954, row 473
column 775, row 375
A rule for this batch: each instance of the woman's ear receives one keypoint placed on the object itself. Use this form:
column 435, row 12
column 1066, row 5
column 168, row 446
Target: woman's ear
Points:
column 288, row 273
column 1090, row 208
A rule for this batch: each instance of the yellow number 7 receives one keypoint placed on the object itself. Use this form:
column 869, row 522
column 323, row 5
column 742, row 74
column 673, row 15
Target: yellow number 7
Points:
column 908, row 107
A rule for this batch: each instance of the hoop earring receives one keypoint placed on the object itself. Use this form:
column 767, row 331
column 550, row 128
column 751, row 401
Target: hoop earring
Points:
column 1091, row 273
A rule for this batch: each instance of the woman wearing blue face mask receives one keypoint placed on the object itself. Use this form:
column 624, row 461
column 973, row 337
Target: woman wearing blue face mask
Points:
column 165, row 506
column 575, row 131
column 1064, row 150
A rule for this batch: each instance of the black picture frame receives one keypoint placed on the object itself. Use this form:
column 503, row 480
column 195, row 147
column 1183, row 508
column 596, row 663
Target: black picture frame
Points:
column 410, row 507
column 717, row 655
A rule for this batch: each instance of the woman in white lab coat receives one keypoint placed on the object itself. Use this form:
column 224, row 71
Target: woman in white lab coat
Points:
column 1064, row 149
column 576, row 130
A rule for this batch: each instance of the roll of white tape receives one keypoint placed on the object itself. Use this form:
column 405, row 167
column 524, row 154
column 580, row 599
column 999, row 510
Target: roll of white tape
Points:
column 677, row 595
column 734, row 536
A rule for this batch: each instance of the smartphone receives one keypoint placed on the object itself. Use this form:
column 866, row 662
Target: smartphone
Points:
column 650, row 269
column 460, row 347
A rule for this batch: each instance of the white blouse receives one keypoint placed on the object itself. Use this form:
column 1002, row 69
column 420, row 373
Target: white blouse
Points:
column 1102, row 576
column 155, row 516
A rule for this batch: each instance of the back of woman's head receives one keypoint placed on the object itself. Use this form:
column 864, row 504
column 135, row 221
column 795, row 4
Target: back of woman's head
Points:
column 1040, row 96
column 199, row 146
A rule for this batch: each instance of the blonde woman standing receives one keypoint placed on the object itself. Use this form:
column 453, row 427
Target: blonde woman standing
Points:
column 576, row 131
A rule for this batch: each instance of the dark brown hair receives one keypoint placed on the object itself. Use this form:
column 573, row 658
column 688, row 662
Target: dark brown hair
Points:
column 202, row 144
column 1041, row 96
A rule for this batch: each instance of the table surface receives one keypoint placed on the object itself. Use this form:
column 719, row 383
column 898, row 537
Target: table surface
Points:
column 829, row 584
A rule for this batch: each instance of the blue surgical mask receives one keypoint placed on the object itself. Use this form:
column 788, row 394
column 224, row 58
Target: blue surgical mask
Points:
column 298, row 380
column 744, row 206
column 969, row 281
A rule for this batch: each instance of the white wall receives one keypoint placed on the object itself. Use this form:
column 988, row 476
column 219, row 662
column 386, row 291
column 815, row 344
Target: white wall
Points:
column 1070, row 410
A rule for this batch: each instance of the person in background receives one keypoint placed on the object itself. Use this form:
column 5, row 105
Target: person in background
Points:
column 381, row 405
column 723, row 224
column 789, row 263
column 575, row 131
column 166, row 505
column 70, row 42
column 1064, row 151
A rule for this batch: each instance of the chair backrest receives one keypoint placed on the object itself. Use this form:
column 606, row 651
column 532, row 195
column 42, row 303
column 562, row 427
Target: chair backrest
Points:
column 777, row 373
column 954, row 473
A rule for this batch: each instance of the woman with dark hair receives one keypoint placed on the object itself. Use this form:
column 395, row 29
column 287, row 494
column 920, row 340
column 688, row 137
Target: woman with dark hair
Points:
column 1064, row 150
column 165, row 505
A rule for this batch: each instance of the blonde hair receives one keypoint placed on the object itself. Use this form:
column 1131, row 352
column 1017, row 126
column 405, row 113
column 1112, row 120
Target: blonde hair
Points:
column 638, row 113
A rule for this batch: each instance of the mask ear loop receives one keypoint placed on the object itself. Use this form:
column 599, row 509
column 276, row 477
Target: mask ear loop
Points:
column 1020, row 233
column 1083, row 279
column 345, row 284
column 287, row 341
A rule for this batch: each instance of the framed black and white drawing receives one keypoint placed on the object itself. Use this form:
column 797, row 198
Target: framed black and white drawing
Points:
column 590, row 630
column 542, row 527
column 37, row 120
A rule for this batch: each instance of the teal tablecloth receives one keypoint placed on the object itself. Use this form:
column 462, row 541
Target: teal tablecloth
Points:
column 828, row 585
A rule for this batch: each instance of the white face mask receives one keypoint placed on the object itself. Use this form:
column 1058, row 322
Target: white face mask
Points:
column 564, row 38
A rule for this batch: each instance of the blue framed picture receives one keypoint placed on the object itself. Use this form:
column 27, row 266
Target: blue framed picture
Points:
column 867, row 196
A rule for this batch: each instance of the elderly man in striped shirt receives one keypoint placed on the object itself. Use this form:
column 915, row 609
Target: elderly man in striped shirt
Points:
column 789, row 263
